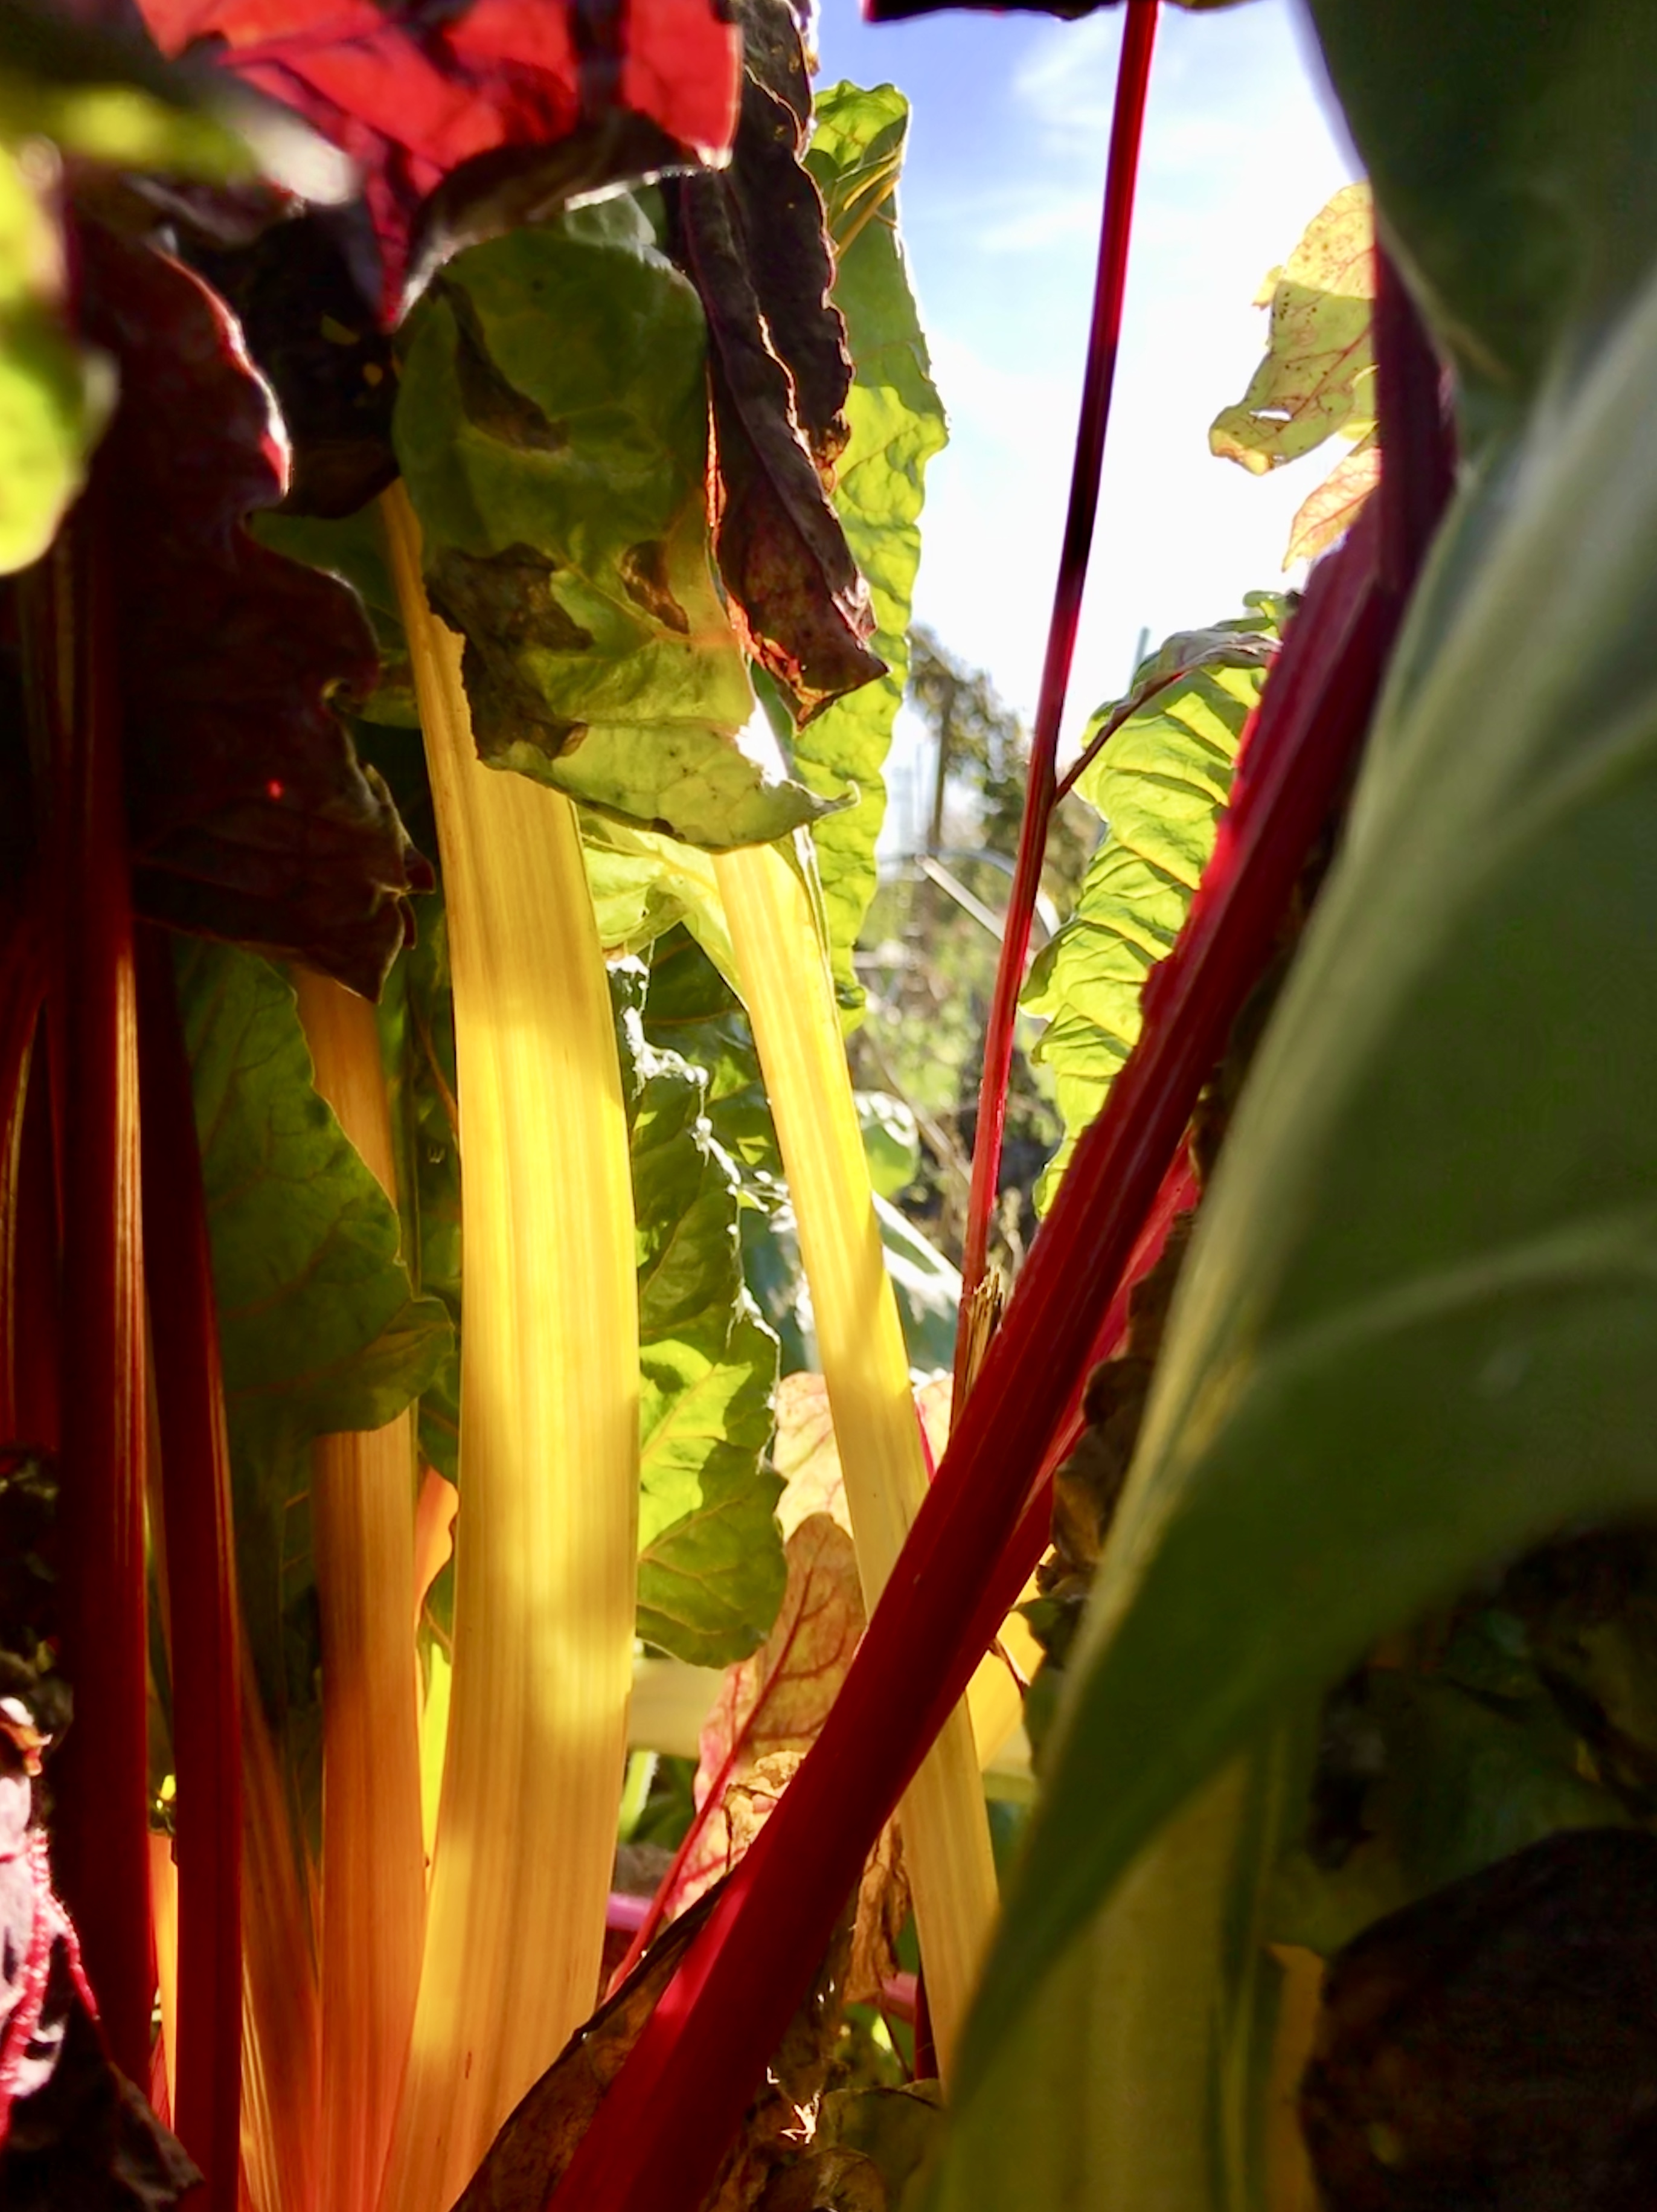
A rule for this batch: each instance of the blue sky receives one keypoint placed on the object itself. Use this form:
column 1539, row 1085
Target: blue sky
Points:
column 1000, row 207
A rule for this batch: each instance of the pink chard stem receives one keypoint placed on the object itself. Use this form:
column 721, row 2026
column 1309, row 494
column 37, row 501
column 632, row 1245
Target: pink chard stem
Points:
column 196, row 1493
column 99, row 1778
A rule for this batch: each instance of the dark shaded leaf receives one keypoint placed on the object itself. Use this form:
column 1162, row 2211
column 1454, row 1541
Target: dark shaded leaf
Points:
column 535, row 2143
column 250, row 817
column 599, row 657
column 87, row 2139
column 752, row 242
column 538, row 2137
column 317, row 341
column 502, row 109
column 1496, row 2043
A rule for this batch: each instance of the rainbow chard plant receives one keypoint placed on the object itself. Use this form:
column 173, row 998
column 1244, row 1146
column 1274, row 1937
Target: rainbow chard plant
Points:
column 540, row 1617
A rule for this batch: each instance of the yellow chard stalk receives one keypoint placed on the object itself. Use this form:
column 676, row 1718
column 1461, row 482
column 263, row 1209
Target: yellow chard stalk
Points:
column 374, row 1866
column 546, row 1544
column 789, row 994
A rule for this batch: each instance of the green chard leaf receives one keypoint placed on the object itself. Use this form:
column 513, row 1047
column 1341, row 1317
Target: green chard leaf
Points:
column 1137, row 2081
column 897, row 423
column 320, row 1328
column 710, row 1553
column 1161, row 783
column 1418, row 1327
column 561, row 489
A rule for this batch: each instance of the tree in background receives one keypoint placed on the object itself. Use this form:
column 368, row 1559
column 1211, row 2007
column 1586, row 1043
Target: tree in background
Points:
column 928, row 951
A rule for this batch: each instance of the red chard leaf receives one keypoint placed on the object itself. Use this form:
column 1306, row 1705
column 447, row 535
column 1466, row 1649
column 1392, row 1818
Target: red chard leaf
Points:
column 418, row 95
column 250, row 817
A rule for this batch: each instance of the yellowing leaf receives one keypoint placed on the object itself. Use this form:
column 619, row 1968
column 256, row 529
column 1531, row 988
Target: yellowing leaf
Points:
column 1330, row 512
column 1318, row 375
column 771, row 1705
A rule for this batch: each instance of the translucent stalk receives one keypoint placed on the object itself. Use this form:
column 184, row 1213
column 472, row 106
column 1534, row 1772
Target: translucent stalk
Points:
column 280, row 2039
column 546, row 1540
column 787, row 987
column 373, row 1869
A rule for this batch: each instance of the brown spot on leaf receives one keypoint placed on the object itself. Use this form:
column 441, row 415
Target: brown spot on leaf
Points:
column 643, row 572
column 493, row 403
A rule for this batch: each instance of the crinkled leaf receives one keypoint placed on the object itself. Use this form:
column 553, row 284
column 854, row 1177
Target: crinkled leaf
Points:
column 87, row 2139
column 897, row 423
column 535, row 2143
column 353, row 547
column 487, row 115
column 251, row 817
column 1161, row 783
column 1318, row 377
column 319, row 1326
column 752, row 242
column 54, row 396
column 690, row 1009
column 562, row 492
column 1329, row 512
column 710, row 1557
column 771, row 1706
column 1420, row 1326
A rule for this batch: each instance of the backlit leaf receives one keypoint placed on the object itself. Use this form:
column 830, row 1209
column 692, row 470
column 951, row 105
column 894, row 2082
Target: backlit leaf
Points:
column 561, row 493
column 1318, row 377
column 710, row 1559
column 1161, row 783
column 897, row 423
column 1329, row 512
column 771, row 1705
